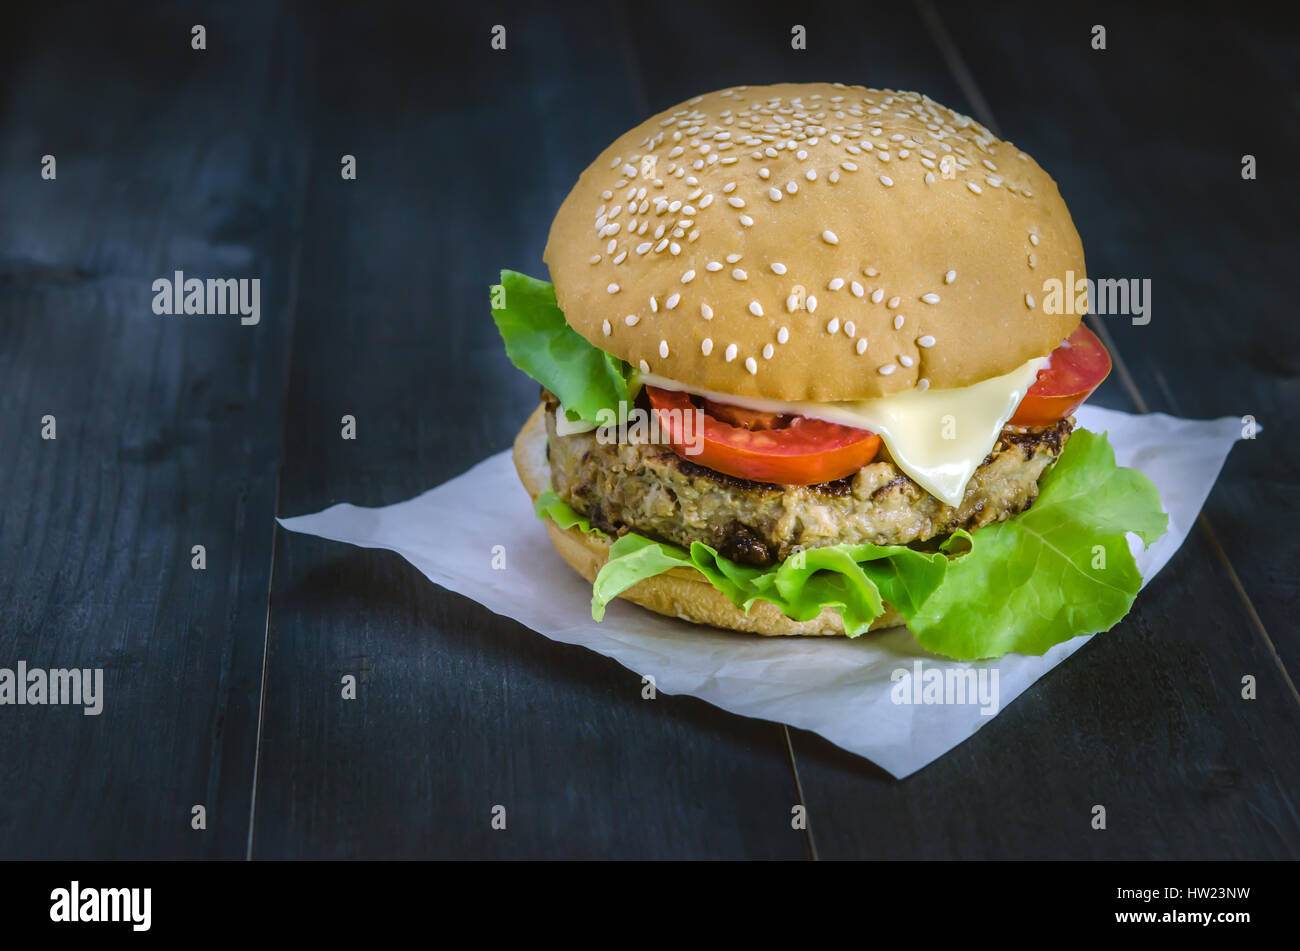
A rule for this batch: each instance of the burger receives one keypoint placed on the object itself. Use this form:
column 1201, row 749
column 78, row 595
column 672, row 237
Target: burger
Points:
column 800, row 376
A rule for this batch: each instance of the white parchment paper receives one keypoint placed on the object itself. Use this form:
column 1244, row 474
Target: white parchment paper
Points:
column 838, row 688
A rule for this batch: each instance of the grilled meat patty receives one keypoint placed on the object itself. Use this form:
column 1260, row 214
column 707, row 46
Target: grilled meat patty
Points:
column 651, row 490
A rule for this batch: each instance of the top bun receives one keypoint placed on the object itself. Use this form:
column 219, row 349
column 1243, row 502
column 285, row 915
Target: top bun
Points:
column 814, row 242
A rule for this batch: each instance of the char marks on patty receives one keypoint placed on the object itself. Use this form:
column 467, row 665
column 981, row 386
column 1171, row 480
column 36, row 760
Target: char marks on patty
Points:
column 650, row 490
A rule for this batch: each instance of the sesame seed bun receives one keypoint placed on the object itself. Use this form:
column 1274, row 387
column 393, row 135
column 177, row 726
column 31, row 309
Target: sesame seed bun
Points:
column 681, row 592
column 814, row 242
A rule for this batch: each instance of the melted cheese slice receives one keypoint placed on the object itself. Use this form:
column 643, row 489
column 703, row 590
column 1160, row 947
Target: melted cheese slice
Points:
column 938, row 437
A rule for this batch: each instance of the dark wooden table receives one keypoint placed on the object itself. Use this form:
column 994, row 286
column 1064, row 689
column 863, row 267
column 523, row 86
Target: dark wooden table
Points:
column 222, row 685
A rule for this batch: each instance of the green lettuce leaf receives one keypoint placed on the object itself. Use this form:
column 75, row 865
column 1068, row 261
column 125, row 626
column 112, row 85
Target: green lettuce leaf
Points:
column 549, row 505
column 1050, row 574
column 539, row 341
column 853, row 579
column 1059, row 570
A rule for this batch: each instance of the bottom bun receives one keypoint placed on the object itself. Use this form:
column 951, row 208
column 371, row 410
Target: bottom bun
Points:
column 681, row 592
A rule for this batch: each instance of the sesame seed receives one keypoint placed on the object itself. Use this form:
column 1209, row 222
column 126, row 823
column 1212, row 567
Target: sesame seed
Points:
column 811, row 174
column 654, row 304
column 975, row 188
column 764, row 173
column 728, row 188
column 887, row 369
column 930, row 298
column 778, row 267
column 861, row 346
column 877, row 295
column 848, row 166
column 612, row 288
column 811, row 303
column 675, row 248
column 736, row 202
column 643, row 247
column 923, row 384
column 870, row 271
column 950, row 277
column 768, row 350
column 756, row 308
column 792, row 188
column 706, row 346
column 929, row 178
column 1033, row 260
column 688, row 277
column 925, row 341
column 706, row 201
column 746, row 221
column 898, row 322
column 857, row 289
column 731, row 352
column 782, row 335
column 739, row 275
column 605, row 328
column 733, row 258
column 886, row 181
column 631, row 320
column 850, row 328
column 672, row 300
column 663, row 349
column 905, row 360
column 706, row 311
column 713, row 266
column 645, row 367
column 832, row 325
column 1033, row 239
column 836, row 283
column 894, row 302
column 774, row 194
column 751, row 365
column 594, row 259
column 1029, row 301
column 830, row 237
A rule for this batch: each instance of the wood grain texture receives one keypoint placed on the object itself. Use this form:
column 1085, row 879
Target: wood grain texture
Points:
column 460, row 170
column 179, row 431
column 168, row 428
column 1147, row 720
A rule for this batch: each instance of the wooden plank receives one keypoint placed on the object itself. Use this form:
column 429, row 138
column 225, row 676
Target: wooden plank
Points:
column 167, row 427
column 1146, row 720
column 462, row 162
column 1156, row 194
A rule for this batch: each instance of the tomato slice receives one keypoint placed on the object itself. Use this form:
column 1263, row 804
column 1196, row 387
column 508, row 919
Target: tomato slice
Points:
column 1078, row 367
column 744, row 418
column 785, row 450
